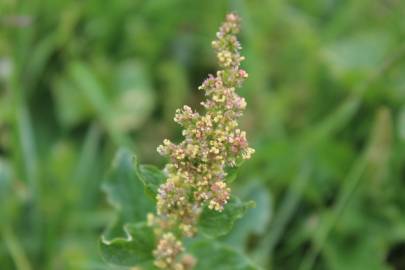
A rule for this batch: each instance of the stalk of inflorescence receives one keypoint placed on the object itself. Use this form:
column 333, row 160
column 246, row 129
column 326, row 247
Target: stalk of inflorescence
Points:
column 197, row 167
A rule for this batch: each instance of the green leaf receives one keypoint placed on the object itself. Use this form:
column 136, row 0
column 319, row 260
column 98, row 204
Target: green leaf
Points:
column 135, row 249
column 214, row 224
column 125, row 191
column 256, row 220
column 232, row 174
column 214, row 255
column 87, row 83
column 152, row 177
column 354, row 57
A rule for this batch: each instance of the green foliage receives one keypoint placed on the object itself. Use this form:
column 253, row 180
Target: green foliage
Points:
column 214, row 224
column 214, row 255
column 125, row 192
column 322, row 75
column 256, row 220
column 127, row 186
column 135, row 249
column 151, row 178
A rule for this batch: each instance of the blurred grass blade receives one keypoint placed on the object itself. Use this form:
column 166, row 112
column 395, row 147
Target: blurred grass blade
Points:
column 16, row 250
column 378, row 139
column 342, row 115
column 28, row 148
column 88, row 84
column 88, row 153
column 283, row 215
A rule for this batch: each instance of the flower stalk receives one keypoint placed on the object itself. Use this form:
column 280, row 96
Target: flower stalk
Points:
column 197, row 168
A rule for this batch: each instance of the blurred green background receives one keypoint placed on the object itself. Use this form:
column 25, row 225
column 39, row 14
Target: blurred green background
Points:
column 326, row 114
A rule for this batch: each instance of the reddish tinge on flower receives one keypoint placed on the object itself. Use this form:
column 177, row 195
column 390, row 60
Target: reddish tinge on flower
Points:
column 196, row 172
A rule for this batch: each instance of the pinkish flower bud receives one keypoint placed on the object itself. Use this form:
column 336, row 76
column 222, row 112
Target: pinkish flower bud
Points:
column 243, row 73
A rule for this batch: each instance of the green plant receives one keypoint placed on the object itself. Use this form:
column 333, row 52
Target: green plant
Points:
column 192, row 193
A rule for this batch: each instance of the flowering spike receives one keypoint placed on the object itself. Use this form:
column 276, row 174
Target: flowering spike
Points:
column 196, row 171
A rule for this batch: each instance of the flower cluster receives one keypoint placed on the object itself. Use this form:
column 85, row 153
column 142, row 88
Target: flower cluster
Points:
column 166, row 252
column 196, row 173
